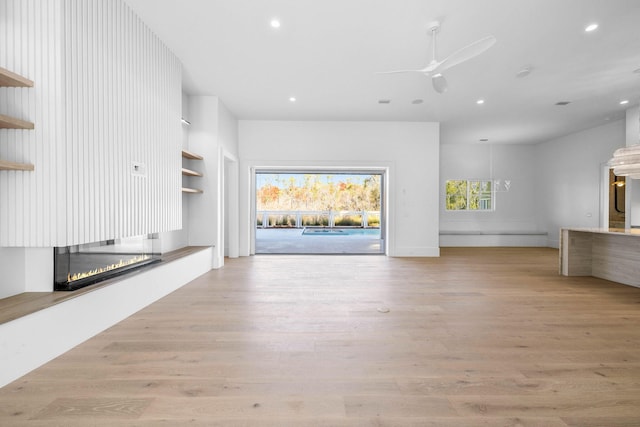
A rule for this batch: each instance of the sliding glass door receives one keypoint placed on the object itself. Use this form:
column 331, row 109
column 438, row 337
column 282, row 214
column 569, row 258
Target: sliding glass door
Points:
column 319, row 212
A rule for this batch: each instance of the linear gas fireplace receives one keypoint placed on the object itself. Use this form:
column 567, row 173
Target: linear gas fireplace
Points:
column 81, row 265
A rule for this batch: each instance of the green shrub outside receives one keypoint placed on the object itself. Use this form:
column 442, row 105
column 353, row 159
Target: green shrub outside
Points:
column 282, row 221
column 348, row 221
column 315, row 221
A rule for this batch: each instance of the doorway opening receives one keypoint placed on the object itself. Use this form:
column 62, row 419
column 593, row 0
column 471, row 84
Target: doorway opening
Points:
column 617, row 200
column 319, row 212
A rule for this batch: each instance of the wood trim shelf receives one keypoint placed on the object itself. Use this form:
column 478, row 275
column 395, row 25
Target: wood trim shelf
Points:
column 189, row 172
column 191, row 190
column 11, row 79
column 189, row 155
column 12, row 166
column 7, row 122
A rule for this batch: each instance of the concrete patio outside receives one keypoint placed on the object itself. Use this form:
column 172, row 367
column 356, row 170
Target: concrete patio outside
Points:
column 293, row 241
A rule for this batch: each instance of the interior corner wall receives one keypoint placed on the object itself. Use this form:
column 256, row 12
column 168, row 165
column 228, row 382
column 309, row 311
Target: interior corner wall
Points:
column 568, row 190
column 213, row 134
column 228, row 137
column 514, row 219
column 203, row 140
column 107, row 95
column 227, row 131
column 179, row 238
column 633, row 185
column 408, row 150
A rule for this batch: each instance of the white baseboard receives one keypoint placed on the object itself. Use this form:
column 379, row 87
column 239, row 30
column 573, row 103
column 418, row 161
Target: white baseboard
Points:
column 418, row 251
column 461, row 239
column 30, row 341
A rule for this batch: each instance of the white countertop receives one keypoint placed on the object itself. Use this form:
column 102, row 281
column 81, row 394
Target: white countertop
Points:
column 612, row 231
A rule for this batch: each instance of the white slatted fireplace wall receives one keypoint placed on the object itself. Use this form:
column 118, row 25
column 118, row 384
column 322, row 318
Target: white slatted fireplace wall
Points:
column 106, row 97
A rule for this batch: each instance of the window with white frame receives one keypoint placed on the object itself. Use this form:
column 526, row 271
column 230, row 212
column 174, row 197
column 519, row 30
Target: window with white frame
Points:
column 469, row 195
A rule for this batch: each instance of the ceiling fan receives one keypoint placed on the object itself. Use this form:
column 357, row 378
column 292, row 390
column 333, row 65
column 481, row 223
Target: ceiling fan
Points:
column 435, row 68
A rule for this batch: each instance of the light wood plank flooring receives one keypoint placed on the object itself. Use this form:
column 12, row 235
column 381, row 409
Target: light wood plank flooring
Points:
column 477, row 337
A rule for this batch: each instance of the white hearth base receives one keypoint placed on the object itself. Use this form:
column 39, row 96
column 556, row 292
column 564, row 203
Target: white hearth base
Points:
column 30, row 341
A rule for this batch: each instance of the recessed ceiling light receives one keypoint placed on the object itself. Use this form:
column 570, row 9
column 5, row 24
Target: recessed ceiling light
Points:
column 591, row 27
column 292, row 99
column 275, row 23
column 563, row 103
column 384, row 101
column 417, row 101
column 624, row 102
column 480, row 101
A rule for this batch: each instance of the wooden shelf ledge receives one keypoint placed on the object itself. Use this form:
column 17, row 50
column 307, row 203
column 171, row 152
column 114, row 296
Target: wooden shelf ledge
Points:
column 11, row 79
column 191, row 190
column 12, row 166
column 189, row 172
column 189, row 155
column 7, row 122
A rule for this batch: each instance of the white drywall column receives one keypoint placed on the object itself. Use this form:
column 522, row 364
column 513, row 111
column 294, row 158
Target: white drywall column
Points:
column 632, row 207
column 232, row 212
column 204, row 208
column 228, row 175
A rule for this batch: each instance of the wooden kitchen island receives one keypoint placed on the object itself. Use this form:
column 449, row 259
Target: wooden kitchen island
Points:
column 608, row 253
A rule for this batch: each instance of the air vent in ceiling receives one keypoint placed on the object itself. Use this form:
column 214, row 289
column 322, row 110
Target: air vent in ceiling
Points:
column 384, row 101
column 563, row 103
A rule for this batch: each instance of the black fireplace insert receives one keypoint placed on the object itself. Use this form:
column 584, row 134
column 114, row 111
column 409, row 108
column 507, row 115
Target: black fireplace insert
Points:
column 82, row 265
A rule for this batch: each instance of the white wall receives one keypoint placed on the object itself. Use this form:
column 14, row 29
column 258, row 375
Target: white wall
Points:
column 213, row 134
column 175, row 239
column 633, row 185
column 12, row 266
column 228, row 134
column 409, row 150
column 107, row 93
column 569, row 171
column 203, row 140
column 515, row 210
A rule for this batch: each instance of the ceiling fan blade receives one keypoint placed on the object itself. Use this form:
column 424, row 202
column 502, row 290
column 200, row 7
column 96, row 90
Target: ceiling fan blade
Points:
column 400, row 71
column 467, row 52
column 439, row 83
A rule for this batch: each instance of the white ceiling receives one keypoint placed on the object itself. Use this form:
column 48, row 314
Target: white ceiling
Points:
column 326, row 53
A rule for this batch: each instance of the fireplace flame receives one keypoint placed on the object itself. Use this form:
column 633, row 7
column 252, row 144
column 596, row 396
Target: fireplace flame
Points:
column 119, row 264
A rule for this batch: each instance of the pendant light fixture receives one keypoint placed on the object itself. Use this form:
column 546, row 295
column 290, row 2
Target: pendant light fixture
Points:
column 626, row 161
